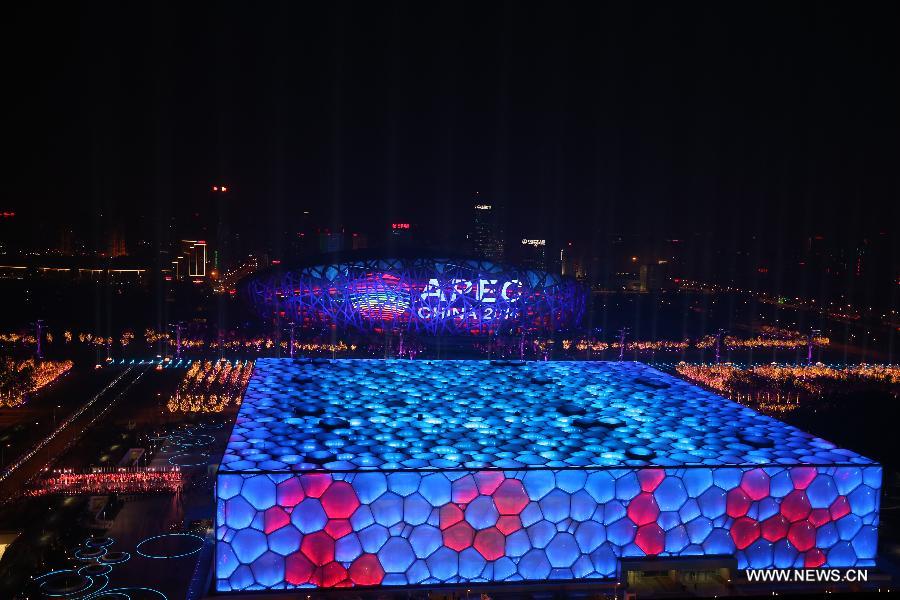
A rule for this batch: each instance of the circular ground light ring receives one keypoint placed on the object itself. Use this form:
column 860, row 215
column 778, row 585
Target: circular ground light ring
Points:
column 95, row 570
column 98, row 542
column 114, row 558
column 186, row 447
column 131, row 593
column 66, row 584
column 89, row 553
column 183, row 462
column 169, row 537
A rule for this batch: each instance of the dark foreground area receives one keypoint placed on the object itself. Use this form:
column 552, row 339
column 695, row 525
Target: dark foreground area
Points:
column 154, row 546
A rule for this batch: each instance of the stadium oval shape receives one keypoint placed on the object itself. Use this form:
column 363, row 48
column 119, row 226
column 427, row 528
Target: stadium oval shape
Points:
column 430, row 296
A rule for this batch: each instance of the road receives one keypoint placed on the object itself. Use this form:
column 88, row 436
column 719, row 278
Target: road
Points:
column 27, row 465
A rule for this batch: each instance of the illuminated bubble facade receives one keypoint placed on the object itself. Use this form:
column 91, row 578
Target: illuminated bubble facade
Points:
column 430, row 296
column 358, row 473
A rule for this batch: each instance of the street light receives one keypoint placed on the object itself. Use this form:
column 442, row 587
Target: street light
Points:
column 622, row 334
column 292, row 326
column 38, row 334
column 813, row 333
column 719, row 335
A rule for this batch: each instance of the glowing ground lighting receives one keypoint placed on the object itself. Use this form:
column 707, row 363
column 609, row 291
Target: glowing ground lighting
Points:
column 183, row 460
column 197, row 442
column 65, row 583
column 170, row 545
column 89, row 553
column 129, row 593
column 90, row 582
column 44, row 373
column 114, row 558
column 95, row 569
column 125, row 480
column 398, row 472
column 210, row 386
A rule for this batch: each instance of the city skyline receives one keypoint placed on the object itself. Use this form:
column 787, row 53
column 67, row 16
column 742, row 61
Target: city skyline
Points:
column 679, row 121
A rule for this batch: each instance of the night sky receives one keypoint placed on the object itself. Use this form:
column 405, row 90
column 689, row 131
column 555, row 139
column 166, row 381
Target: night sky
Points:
column 583, row 119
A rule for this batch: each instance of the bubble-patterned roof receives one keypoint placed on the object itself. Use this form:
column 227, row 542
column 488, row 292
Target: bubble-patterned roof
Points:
column 337, row 415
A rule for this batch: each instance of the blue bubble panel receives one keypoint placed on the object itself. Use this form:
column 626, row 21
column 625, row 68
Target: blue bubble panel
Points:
column 450, row 472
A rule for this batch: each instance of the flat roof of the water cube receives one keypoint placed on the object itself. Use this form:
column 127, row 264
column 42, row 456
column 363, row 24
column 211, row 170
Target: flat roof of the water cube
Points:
column 347, row 415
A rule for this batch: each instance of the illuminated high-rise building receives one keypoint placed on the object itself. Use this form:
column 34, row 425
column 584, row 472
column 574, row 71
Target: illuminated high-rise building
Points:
column 197, row 260
column 117, row 246
column 533, row 254
column 486, row 237
column 359, row 241
column 66, row 242
column 191, row 260
column 331, row 241
column 401, row 234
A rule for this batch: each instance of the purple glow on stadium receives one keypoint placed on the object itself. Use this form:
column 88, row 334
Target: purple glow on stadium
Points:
column 428, row 296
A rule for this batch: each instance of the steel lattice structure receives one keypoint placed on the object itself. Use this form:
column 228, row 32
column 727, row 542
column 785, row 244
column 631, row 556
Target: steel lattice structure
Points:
column 431, row 296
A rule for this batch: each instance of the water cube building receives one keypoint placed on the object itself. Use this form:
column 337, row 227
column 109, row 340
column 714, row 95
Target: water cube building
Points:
column 403, row 473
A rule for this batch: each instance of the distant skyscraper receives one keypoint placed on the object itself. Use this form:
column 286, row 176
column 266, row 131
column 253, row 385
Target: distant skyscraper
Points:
column 305, row 240
column 117, row 246
column 191, row 261
column 534, row 254
column 331, row 242
column 359, row 241
column 401, row 234
column 487, row 233
column 7, row 223
column 571, row 263
column 221, row 200
column 67, row 242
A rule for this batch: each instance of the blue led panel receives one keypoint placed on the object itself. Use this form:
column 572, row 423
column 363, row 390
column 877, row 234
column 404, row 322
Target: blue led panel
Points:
column 368, row 472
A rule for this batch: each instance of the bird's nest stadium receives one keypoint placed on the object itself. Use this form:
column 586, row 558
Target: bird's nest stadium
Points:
column 428, row 296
